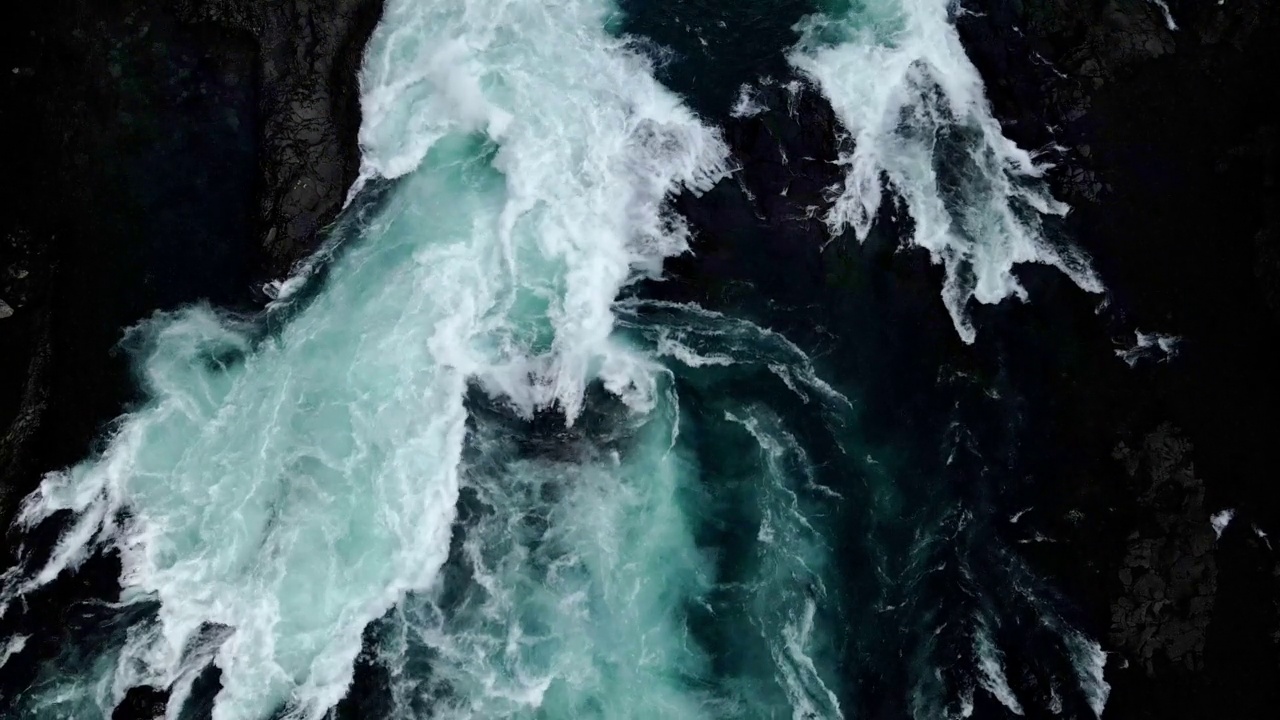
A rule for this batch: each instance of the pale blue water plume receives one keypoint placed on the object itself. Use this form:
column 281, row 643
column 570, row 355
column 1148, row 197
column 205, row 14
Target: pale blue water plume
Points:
column 293, row 488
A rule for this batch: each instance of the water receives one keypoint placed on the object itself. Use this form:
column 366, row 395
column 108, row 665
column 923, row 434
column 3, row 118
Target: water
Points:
column 898, row 78
column 479, row 467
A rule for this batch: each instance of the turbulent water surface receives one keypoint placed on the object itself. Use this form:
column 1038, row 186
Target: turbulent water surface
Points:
column 478, row 467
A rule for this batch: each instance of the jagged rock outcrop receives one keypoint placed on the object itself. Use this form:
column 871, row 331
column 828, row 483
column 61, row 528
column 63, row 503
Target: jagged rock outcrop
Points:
column 1168, row 573
column 309, row 105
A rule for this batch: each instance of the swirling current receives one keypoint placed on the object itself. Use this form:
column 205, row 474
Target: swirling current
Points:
column 511, row 445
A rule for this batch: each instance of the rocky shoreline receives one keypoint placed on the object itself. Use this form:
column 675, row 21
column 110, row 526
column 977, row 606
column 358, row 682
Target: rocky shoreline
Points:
column 158, row 154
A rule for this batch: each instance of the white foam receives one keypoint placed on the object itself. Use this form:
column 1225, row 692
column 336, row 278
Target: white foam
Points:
column 1220, row 520
column 588, row 178
column 1262, row 536
column 991, row 669
column 1168, row 15
column 1089, row 661
column 12, row 646
column 296, row 490
column 672, row 347
column 748, row 103
column 1154, row 346
column 913, row 105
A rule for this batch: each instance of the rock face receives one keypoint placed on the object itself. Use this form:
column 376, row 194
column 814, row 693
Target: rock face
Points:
column 1168, row 573
column 160, row 154
column 309, row 57
column 1169, row 161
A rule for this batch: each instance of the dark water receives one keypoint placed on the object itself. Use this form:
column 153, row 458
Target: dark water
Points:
column 942, row 445
column 969, row 438
column 709, row 49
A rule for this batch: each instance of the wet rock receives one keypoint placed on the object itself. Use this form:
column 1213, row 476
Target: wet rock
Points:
column 309, row 105
column 141, row 703
column 232, row 131
column 1168, row 571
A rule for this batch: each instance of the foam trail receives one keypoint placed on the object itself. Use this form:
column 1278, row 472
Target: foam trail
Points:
column 898, row 78
column 12, row 646
column 991, row 669
column 787, row 583
column 293, row 490
column 698, row 337
column 1149, row 345
column 1220, row 520
column 748, row 103
column 572, row 574
column 1168, row 14
column 1089, row 660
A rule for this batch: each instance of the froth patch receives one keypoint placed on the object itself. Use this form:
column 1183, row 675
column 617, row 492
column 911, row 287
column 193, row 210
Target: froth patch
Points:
column 296, row 489
column 914, row 109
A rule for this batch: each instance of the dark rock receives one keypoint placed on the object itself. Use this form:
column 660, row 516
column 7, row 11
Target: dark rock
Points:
column 1168, row 571
column 141, row 703
column 1170, row 165
column 309, row 102
column 160, row 154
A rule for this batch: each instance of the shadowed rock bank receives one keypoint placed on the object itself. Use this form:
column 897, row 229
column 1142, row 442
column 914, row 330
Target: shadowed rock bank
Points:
column 1169, row 160
column 157, row 154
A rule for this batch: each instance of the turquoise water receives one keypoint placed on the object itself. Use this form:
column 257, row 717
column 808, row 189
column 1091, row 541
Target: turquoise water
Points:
column 476, row 469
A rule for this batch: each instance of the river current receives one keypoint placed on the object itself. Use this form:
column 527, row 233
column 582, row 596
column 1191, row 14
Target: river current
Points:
column 485, row 456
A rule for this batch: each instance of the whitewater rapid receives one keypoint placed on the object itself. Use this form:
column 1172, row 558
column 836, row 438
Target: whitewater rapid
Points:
column 915, row 110
column 288, row 492
column 473, row 463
